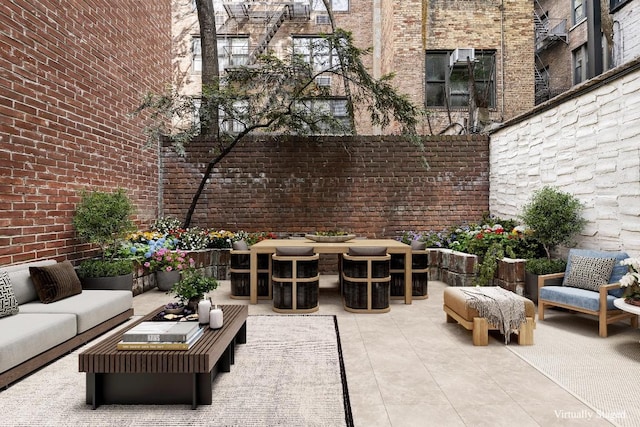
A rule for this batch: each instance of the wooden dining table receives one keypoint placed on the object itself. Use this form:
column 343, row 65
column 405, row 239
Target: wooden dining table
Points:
column 269, row 246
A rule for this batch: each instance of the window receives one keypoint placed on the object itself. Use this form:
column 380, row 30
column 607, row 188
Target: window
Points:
column 580, row 64
column 616, row 4
column 334, row 107
column 449, row 85
column 336, row 5
column 232, row 51
column 228, row 122
column 196, row 55
column 579, row 10
column 315, row 51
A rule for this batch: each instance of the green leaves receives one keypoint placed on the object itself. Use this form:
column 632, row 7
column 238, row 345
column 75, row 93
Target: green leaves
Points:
column 554, row 216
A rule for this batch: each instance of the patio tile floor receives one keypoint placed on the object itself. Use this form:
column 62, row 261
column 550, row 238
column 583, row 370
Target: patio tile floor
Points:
column 408, row 367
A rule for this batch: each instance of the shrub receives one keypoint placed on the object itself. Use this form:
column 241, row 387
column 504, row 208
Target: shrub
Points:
column 105, row 268
column 554, row 217
column 541, row 266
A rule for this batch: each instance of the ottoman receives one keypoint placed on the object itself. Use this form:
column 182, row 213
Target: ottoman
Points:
column 457, row 310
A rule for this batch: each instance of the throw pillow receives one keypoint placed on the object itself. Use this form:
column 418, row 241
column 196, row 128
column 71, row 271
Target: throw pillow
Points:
column 589, row 273
column 55, row 282
column 418, row 245
column 294, row 251
column 8, row 301
column 240, row 245
column 368, row 251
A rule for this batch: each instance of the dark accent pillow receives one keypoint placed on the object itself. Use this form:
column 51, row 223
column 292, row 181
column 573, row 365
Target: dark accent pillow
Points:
column 8, row 301
column 589, row 273
column 294, row 251
column 55, row 282
column 240, row 245
column 418, row 245
column 368, row 251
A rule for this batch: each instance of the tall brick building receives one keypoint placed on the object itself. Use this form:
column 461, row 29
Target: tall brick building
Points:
column 425, row 43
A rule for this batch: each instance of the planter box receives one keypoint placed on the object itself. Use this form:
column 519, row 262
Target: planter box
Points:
column 460, row 269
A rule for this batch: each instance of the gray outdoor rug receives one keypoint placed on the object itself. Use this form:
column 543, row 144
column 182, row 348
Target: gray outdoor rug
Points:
column 289, row 373
column 604, row 373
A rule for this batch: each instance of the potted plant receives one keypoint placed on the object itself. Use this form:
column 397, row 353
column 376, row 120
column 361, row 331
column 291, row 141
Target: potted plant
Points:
column 103, row 219
column 553, row 217
column 167, row 265
column 192, row 288
column 542, row 270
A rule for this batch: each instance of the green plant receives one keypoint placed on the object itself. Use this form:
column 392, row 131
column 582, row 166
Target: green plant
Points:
column 554, row 217
column 193, row 285
column 104, row 268
column 104, row 219
column 542, row 266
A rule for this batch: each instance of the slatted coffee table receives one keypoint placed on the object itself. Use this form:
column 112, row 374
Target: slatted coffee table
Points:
column 163, row 377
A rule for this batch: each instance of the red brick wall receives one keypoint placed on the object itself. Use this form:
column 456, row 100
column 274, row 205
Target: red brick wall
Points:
column 373, row 186
column 69, row 76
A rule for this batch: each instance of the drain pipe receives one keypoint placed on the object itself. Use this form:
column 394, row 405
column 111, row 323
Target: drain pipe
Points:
column 502, row 60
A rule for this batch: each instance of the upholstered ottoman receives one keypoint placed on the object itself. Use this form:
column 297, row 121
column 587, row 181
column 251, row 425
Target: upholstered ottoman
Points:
column 458, row 310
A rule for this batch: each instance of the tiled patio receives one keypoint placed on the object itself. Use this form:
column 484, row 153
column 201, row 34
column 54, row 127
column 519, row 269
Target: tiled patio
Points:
column 409, row 367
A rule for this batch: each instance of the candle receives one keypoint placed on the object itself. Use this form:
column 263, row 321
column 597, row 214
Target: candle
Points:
column 215, row 318
column 204, row 307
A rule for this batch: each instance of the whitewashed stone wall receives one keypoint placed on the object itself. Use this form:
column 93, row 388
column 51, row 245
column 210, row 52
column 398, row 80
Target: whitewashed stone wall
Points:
column 626, row 33
column 587, row 145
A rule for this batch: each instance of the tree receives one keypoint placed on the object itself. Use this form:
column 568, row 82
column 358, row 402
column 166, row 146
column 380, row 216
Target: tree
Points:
column 281, row 97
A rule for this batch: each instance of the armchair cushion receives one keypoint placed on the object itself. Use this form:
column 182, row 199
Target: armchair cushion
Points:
column 616, row 273
column 589, row 273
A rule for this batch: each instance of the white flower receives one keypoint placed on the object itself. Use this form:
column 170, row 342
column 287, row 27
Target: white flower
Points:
column 633, row 276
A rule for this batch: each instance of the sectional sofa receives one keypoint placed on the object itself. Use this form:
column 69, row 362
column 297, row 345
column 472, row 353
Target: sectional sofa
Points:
column 45, row 313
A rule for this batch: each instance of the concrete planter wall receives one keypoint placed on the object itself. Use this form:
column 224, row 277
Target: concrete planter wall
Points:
column 460, row 269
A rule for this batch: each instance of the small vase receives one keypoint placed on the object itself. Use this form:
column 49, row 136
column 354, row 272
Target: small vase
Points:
column 166, row 279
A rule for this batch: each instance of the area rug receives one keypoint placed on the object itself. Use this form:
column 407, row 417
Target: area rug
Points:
column 289, row 373
column 604, row 373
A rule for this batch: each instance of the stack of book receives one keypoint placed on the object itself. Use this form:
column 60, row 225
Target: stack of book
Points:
column 161, row 336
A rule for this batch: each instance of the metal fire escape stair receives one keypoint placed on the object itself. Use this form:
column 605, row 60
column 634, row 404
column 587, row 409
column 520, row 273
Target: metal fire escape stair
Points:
column 274, row 24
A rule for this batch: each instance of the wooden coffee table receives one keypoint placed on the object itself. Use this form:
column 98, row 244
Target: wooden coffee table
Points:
column 163, row 377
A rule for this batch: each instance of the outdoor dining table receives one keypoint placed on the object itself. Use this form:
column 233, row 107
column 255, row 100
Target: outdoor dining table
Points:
column 269, row 246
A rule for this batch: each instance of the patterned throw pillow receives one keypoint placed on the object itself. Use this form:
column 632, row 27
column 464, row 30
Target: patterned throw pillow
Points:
column 589, row 273
column 55, row 282
column 8, row 301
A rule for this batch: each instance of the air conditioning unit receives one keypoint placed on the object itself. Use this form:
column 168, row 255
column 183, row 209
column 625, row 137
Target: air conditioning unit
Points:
column 460, row 55
column 323, row 81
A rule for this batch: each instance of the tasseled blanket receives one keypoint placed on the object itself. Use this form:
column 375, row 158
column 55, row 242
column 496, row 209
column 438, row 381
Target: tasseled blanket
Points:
column 500, row 307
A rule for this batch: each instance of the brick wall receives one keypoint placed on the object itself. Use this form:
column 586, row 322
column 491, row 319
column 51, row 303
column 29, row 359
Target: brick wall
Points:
column 585, row 142
column 69, row 76
column 373, row 186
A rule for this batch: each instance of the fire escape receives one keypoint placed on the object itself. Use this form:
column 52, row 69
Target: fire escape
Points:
column 272, row 14
column 548, row 32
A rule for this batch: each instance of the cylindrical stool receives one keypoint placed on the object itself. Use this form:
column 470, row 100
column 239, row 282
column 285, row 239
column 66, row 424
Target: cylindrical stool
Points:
column 366, row 280
column 295, row 280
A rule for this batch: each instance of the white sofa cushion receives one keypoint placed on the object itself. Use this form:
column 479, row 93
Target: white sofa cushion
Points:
column 91, row 307
column 21, row 281
column 25, row 335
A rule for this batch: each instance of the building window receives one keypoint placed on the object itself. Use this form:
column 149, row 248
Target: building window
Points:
column 579, row 10
column 315, row 51
column 448, row 85
column 232, row 52
column 196, row 55
column 336, row 5
column 580, row 64
column 334, row 107
column 229, row 122
column 616, row 4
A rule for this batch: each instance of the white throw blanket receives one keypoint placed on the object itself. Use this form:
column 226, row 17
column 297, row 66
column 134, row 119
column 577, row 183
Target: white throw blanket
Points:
column 500, row 307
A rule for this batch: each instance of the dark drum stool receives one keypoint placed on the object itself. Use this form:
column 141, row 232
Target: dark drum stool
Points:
column 366, row 280
column 241, row 272
column 419, row 270
column 295, row 280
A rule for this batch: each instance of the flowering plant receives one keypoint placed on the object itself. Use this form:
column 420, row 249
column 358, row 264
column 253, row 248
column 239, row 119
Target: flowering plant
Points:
column 167, row 260
column 220, row 239
column 191, row 239
column 631, row 279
